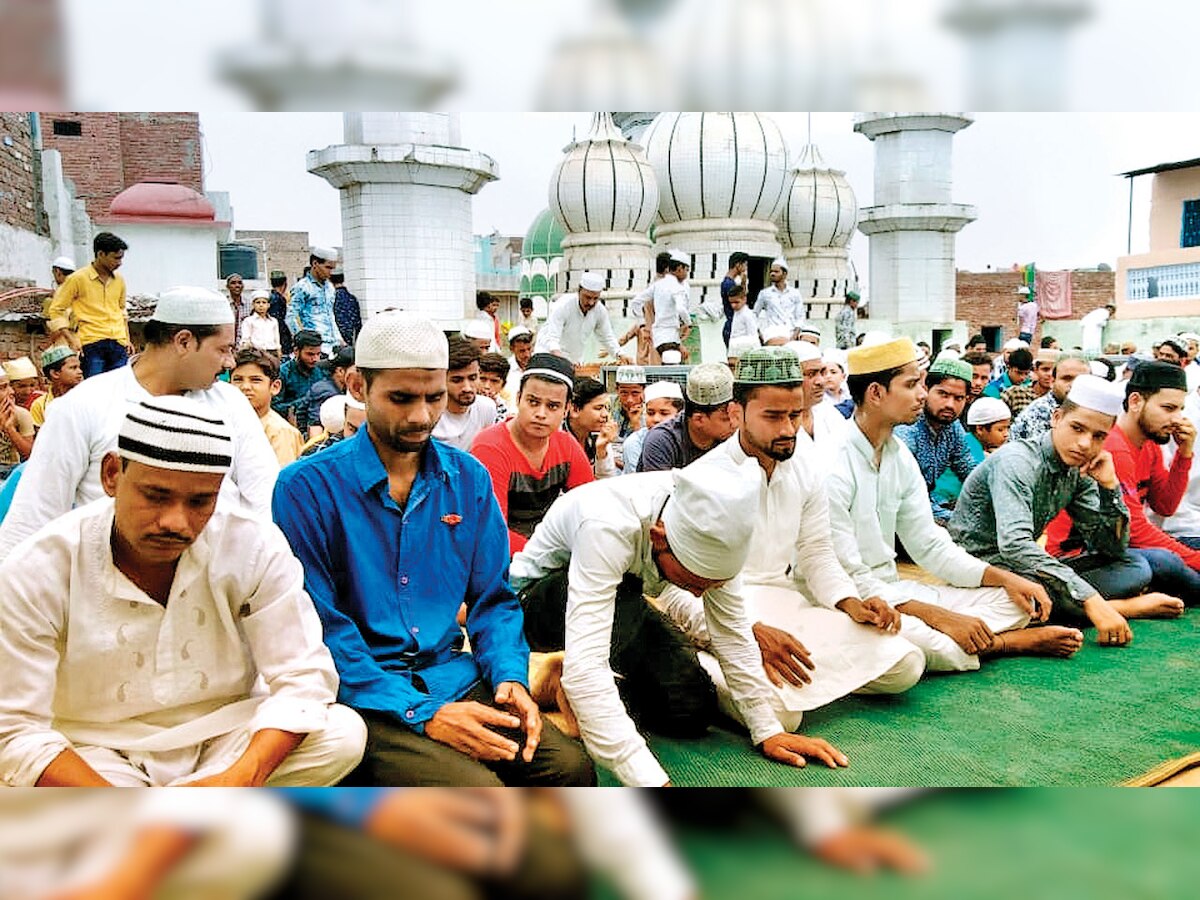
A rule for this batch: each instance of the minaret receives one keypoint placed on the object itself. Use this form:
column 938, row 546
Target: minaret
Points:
column 406, row 188
column 1017, row 50
column 913, row 221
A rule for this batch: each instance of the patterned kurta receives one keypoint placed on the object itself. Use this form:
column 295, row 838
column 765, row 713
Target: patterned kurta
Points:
column 937, row 451
column 1035, row 420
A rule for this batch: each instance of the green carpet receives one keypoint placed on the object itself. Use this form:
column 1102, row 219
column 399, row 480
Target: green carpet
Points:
column 1104, row 716
column 1063, row 844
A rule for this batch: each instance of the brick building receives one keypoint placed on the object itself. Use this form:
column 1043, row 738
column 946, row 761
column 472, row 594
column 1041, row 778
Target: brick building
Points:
column 278, row 251
column 20, row 204
column 104, row 153
column 987, row 301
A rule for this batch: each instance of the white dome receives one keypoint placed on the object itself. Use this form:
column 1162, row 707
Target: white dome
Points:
column 717, row 165
column 604, row 184
column 820, row 209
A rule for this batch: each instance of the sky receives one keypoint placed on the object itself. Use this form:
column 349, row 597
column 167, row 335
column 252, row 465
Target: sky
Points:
column 1045, row 185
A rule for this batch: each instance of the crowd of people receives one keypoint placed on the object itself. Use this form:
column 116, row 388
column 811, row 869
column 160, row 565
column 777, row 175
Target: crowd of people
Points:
column 226, row 566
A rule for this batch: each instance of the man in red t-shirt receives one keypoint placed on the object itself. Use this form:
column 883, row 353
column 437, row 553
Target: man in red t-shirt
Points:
column 530, row 458
column 1154, row 398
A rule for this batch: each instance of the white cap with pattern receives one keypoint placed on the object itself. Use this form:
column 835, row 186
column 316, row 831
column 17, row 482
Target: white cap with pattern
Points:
column 398, row 340
column 192, row 306
column 710, row 384
column 175, row 432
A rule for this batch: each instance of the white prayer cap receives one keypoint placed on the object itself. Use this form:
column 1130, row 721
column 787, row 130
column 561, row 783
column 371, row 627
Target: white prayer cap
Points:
column 660, row 390
column 260, row 295
column 952, row 345
column 1015, row 344
column 811, row 329
column 875, row 338
column 63, row 262
column 324, row 253
column 835, row 357
column 1190, row 336
column 781, row 262
column 987, row 410
column 775, row 332
column 20, row 369
column 711, row 515
column 631, row 375
column 804, row 350
column 947, row 354
column 742, row 343
column 192, row 306
column 1099, row 369
column 352, row 403
column 678, row 256
column 479, row 330
column 176, row 432
column 396, row 340
column 1095, row 393
column 710, row 384
column 333, row 413
column 592, row 281
column 672, row 357
column 517, row 331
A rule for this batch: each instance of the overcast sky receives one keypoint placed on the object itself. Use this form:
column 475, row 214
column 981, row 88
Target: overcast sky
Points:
column 1045, row 185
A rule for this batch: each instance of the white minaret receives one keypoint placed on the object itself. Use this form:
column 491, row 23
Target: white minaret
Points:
column 913, row 221
column 1017, row 50
column 406, row 188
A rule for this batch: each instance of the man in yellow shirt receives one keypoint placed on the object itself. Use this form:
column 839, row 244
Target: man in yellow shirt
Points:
column 256, row 374
column 94, row 298
column 60, row 366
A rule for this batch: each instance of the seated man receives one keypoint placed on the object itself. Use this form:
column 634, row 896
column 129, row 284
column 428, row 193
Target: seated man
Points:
column 467, row 411
column 1019, row 396
column 822, row 425
column 1034, row 420
column 938, row 440
column 416, row 535
column 705, row 422
column 988, row 420
column 531, row 459
column 1152, row 417
column 875, row 498
column 664, row 400
column 581, row 580
column 134, row 629
column 1012, row 495
column 1018, row 365
column 791, row 551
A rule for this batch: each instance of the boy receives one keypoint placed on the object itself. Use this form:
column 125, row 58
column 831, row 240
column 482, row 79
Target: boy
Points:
column 743, row 323
column 60, row 365
column 493, row 372
column 256, row 374
column 260, row 329
column 664, row 400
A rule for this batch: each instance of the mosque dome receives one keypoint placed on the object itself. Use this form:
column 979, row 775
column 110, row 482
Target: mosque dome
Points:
column 164, row 201
column 544, row 238
column 820, row 209
column 604, row 183
column 717, row 165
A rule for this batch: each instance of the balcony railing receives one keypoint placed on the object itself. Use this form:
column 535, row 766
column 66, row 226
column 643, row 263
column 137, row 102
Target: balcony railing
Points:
column 1180, row 281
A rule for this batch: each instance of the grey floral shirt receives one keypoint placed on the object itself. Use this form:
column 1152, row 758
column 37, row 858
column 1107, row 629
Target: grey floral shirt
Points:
column 1012, row 495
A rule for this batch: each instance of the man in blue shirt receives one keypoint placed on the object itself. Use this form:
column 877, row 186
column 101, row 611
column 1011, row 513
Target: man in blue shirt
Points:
column 311, row 305
column 938, row 440
column 299, row 374
column 417, row 535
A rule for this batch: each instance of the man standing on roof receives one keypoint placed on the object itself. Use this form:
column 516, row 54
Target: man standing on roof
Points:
column 94, row 299
column 575, row 317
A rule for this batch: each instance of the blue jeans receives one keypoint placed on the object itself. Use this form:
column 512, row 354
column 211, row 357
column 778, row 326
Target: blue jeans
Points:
column 1114, row 578
column 1170, row 574
column 103, row 356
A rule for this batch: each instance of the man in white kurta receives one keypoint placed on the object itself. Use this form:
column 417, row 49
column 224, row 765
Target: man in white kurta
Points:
column 655, row 528
column 778, row 305
column 877, row 494
column 792, row 551
column 574, row 318
column 82, row 426
column 669, row 303
column 102, row 682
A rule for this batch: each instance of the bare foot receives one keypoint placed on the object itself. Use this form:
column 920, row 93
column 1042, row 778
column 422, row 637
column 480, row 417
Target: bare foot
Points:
column 1149, row 606
column 547, row 692
column 1047, row 640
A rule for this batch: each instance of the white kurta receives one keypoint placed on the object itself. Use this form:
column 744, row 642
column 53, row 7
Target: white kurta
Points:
column 829, row 433
column 792, row 552
column 459, row 429
column 776, row 308
column 743, row 324
column 670, row 300
column 566, row 329
column 868, row 507
column 82, row 427
column 86, row 657
column 599, row 532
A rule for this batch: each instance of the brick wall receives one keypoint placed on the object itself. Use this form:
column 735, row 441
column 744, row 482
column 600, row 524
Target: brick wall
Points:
column 990, row 298
column 116, row 150
column 285, row 251
column 20, row 202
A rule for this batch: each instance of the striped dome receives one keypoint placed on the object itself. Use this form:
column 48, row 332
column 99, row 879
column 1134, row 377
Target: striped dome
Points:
column 717, row 165
column 820, row 209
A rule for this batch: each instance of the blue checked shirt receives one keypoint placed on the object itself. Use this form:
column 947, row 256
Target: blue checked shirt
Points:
column 387, row 582
column 312, row 308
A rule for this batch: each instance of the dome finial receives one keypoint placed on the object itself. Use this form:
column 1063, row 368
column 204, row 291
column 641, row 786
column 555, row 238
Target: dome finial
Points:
column 605, row 129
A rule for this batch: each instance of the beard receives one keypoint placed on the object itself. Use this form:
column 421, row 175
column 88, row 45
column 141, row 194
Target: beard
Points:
column 1161, row 438
column 779, row 450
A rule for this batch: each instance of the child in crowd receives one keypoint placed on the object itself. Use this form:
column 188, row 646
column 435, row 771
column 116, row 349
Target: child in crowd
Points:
column 256, row 374
column 493, row 372
column 664, row 400
column 260, row 329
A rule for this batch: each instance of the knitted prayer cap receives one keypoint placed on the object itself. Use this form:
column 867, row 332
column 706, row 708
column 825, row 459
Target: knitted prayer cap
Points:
column 711, row 514
column 952, row 368
column 173, row 432
column 1047, row 354
column 880, row 357
column 678, row 256
column 710, row 384
column 65, row 263
column 781, row 262
column 987, row 410
column 20, row 368
column 326, row 253
column 192, row 306
column 518, row 331
column 396, row 340
column 853, row 295
column 478, row 330
column 631, row 375
column 768, row 365
column 54, row 354
column 811, row 329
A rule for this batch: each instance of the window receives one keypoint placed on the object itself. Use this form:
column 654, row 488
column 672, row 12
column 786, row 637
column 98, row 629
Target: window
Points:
column 68, row 128
column 993, row 334
column 1190, row 234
